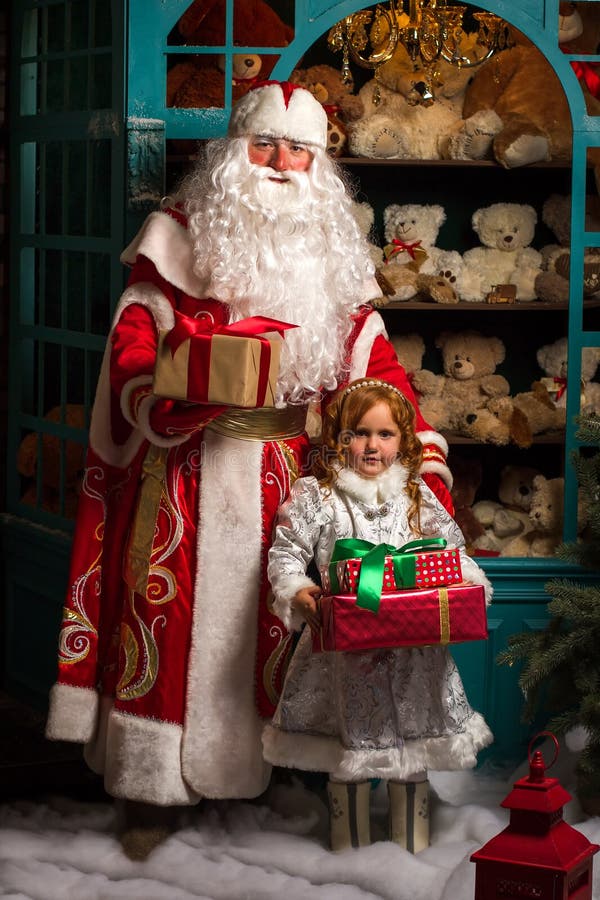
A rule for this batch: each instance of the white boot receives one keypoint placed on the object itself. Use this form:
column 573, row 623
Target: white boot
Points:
column 349, row 821
column 409, row 814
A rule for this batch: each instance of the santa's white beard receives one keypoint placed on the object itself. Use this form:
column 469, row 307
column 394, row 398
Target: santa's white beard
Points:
column 268, row 254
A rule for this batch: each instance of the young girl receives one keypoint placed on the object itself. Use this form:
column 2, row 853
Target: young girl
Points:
column 389, row 714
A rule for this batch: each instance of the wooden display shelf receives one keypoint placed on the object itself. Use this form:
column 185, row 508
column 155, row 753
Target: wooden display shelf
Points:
column 550, row 437
column 463, row 305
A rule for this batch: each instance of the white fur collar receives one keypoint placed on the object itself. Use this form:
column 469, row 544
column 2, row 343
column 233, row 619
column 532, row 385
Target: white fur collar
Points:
column 373, row 491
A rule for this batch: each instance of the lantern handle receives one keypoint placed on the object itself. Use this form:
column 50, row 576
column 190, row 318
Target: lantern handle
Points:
column 535, row 738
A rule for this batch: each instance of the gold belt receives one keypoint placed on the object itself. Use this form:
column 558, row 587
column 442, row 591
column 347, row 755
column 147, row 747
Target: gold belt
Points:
column 263, row 424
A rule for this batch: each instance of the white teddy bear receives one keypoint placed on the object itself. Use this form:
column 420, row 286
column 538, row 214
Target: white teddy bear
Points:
column 411, row 231
column 505, row 257
column 400, row 120
column 552, row 359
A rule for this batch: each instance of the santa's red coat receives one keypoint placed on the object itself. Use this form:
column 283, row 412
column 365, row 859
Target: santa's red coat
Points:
column 169, row 690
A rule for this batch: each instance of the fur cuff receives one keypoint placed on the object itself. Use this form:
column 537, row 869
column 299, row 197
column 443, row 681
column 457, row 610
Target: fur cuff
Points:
column 473, row 573
column 73, row 714
column 143, row 761
column 144, row 410
column 282, row 604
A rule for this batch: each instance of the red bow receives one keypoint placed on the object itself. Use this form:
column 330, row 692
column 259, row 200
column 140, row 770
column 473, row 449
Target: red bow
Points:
column 400, row 246
column 563, row 386
column 254, row 326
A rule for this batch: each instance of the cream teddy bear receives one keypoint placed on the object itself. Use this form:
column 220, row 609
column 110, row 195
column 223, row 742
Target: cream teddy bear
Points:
column 546, row 514
column 552, row 359
column 507, row 517
column 402, row 120
column 469, row 380
column 504, row 257
column 411, row 231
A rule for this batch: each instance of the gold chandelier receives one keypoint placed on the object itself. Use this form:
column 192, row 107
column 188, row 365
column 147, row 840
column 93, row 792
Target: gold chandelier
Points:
column 431, row 30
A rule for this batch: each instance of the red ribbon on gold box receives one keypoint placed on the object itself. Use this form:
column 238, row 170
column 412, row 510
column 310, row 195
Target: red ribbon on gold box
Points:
column 411, row 618
column 236, row 365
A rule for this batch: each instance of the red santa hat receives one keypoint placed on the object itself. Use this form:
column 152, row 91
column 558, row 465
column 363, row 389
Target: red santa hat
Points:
column 280, row 109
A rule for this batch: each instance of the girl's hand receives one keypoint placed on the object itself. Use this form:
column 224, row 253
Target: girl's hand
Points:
column 305, row 602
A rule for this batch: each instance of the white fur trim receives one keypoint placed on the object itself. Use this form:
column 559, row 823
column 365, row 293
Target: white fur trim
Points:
column 143, row 761
column 167, row 244
column 473, row 573
column 221, row 749
column 100, row 427
column 264, row 111
column 282, row 604
column 326, row 754
column 373, row 491
column 73, row 713
column 159, row 440
column 435, row 438
column 361, row 352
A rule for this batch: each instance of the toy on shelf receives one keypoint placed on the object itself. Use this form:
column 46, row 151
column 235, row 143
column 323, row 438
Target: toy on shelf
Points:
column 552, row 283
column 546, row 515
column 552, row 359
column 341, row 105
column 198, row 81
column 508, row 517
column 469, row 380
column 401, row 121
column 504, row 256
column 415, row 267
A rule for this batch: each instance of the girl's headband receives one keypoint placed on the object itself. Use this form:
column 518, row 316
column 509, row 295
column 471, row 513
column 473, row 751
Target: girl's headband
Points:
column 373, row 383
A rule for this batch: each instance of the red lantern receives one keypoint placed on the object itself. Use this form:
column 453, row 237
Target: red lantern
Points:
column 538, row 856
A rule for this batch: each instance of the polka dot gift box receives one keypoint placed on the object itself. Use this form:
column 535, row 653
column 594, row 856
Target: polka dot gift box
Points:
column 410, row 566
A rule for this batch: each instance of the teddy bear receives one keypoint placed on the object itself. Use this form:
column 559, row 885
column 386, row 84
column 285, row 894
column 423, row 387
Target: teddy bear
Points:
column 546, row 515
column 467, row 475
column 468, row 382
column 47, row 451
column 198, row 81
column 411, row 231
column 552, row 359
column 504, row 255
column 517, row 419
column 552, row 283
column 411, row 111
column 410, row 350
column 523, row 89
column 508, row 517
column 341, row 105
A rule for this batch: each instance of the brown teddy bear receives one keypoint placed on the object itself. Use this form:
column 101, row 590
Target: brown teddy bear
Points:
column 29, row 456
column 523, row 89
column 198, row 82
column 341, row 105
column 514, row 419
column 469, row 380
column 552, row 283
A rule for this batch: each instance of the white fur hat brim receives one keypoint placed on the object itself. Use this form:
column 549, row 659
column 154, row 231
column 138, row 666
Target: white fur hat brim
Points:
column 280, row 110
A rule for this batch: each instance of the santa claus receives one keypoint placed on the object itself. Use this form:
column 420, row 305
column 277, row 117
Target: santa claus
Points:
column 170, row 659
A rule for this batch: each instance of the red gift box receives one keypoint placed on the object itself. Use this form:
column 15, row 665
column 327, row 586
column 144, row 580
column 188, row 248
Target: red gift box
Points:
column 236, row 365
column 411, row 618
column 432, row 569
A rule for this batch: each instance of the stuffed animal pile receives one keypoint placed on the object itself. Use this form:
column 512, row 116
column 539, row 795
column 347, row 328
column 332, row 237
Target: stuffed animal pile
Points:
column 198, row 81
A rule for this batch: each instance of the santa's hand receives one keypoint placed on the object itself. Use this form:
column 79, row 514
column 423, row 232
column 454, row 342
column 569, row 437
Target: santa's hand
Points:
column 305, row 603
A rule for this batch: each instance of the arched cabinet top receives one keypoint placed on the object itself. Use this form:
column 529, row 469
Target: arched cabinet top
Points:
column 148, row 51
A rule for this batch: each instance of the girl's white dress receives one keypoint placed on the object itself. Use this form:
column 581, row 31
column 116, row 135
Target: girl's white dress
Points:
column 387, row 714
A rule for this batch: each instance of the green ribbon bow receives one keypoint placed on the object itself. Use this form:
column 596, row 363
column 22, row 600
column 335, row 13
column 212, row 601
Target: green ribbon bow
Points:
column 372, row 556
